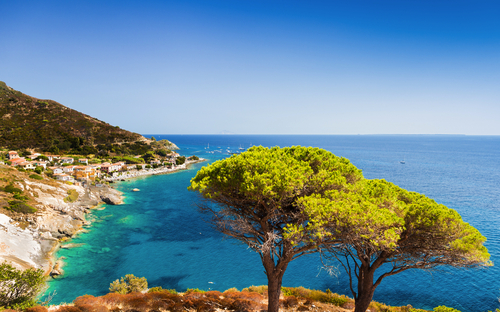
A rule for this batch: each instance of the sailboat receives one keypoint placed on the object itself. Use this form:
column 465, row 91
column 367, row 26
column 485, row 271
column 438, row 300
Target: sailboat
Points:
column 402, row 161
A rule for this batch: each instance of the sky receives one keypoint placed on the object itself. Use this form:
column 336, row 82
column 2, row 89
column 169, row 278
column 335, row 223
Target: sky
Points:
column 262, row 66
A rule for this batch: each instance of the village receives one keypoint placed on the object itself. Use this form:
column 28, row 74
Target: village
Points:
column 91, row 170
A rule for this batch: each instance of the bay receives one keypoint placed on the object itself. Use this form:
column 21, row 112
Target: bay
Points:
column 159, row 234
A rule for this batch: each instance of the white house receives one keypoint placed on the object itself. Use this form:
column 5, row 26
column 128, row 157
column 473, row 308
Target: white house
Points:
column 67, row 160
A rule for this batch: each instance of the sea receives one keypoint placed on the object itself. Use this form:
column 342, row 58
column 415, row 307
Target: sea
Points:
column 160, row 234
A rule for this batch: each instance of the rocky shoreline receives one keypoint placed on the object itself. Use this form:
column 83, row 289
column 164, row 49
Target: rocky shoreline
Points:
column 31, row 240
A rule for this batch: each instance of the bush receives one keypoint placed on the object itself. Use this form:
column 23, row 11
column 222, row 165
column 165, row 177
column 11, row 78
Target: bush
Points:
column 194, row 157
column 72, row 196
column 18, row 289
column 21, row 169
column 20, row 197
column 445, row 309
column 180, row 160
column 129, row 284
column 160, row 289
column 20, row 206
column 36, row 177
column 39, row 169
column 11, row 189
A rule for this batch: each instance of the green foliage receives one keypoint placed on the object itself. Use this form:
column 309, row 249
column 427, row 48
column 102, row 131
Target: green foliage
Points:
column 129, row 284
column 194, row 157
column 180, row 160
column 138, row 167
column 18, row 289
column 445, row 309
column 36, row 177
column 72, row 196
column 12, row 189
column 195, row 290
column 20, row 197
column 39, row 169
column 161, row 290
column 20, row 169
column 20, row 206
column 50, row 126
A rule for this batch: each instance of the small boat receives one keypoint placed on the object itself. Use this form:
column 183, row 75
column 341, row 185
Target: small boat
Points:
column 402, row 162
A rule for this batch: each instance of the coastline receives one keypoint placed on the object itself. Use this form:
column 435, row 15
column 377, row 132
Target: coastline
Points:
column 107, row 195
column 145, row 172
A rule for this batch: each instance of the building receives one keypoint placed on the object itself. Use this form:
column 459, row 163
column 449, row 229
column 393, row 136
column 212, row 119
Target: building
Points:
column 64, row 177
column 84, row 173
column 111, row 167
column 66, row 160
column 12, row 155
column 83, row 161
column 68, row 169
column 56, row 170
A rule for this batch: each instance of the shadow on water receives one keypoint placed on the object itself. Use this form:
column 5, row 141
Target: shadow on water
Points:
column 168, row 282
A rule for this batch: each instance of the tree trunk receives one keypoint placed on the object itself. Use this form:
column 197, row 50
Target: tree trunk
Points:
column 274, row 281
column 366, row 289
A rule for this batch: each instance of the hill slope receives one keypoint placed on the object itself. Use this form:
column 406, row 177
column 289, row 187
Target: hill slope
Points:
column 28, row 122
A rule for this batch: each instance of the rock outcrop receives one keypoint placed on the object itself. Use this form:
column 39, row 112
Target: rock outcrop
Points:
column 32, row 245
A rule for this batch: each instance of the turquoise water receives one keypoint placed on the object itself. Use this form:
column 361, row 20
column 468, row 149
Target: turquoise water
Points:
column 159, row 233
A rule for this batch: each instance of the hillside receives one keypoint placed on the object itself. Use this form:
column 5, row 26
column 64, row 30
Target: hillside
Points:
column 30, row 123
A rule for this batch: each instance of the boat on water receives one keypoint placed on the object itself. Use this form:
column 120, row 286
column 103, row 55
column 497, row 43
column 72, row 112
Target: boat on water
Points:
column 402, row 162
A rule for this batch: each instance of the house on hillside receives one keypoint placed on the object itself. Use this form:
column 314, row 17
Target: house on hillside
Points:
column 66, row 160
column 64, row 177
column 40, row 163
column 84, row 173
column 83, row 161
column 26, row 165
column 12, row 155
column 17, row 161
column 56, row 170
column 111, row 168
column 68, row 169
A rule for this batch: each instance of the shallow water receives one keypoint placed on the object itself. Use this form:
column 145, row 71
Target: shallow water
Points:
column 159, row 233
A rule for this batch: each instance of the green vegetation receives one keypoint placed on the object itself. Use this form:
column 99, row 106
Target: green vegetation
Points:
column 379, row 223
column 20, row 206
column 51, row 127
column 72, row 196
column 260, row 191
column 288, row 202
column 194, row 157
column 36, row 177
column 180, row 160
column 129, row 284
column 160, row 289
column 18, row 289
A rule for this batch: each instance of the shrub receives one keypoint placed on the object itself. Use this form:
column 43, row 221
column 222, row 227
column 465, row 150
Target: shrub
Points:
column 39, row 169
column 194, row 290
column 129, row 284
column 18, row 289
column 11, row 189
column 20, row 197
column 444, row 309
column 194, row 157
column 180, row 160
column 234, row 289
column 20, row 206
column 72, row 196
column 36, row 177
column 160, row 289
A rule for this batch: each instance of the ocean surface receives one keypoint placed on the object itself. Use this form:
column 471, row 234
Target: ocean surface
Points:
column 159, row 234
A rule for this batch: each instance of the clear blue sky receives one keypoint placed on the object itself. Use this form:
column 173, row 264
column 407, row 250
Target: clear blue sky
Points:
column 262, row 67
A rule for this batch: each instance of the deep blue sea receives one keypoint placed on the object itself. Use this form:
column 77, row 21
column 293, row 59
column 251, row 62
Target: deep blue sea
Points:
column 159, row 234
